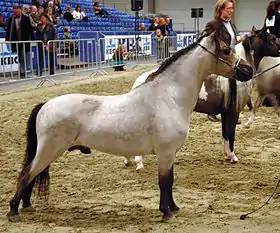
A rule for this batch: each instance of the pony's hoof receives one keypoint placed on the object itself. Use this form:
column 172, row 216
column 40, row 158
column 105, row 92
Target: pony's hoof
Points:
column 174, row 208
column 127, row 163
column 234, row 160
column 13, row 217
column 167, row 216
column 247, row 125
column 139, row 166
column 28, row 209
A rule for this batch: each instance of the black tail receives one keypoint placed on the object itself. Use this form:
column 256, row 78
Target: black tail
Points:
column 42, row 180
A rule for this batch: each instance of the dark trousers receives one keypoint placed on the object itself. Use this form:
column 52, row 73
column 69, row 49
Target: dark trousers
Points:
column 43, row 54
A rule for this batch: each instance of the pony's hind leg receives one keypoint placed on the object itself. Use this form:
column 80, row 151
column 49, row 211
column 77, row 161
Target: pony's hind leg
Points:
column 258, row 103
column 274, row 100
column 37, row 169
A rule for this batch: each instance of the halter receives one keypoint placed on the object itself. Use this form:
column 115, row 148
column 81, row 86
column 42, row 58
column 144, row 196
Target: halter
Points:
column 221, row 59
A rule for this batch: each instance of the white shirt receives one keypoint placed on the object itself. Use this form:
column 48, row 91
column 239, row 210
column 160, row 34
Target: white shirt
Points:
column 231, row 32
column 78, row 15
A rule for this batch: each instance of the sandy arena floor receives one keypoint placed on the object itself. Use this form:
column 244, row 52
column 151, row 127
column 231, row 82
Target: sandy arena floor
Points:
column 96, row 193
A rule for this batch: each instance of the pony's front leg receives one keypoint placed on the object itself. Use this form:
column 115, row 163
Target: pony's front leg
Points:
column 166, row 178
column 229, row 121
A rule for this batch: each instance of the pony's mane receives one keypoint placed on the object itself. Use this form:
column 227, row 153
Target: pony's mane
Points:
column 176, row 56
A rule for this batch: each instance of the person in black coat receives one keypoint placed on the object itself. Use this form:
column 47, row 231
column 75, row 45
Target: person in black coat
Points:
column 19, row 28
column 46, row 32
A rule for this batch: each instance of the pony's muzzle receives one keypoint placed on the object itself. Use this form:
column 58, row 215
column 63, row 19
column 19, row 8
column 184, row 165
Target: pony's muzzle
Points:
column 244, row 71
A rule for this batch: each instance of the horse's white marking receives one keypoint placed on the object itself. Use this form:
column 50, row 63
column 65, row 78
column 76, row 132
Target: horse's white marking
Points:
column 203, row 93
column 139, row 162
column 226, row 147
column 251, row 120
column 230, row 155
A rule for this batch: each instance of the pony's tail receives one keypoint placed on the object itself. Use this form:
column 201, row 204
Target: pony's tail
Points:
column 42, row 180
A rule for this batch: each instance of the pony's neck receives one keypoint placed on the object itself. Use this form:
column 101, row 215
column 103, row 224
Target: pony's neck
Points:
column 188, row 74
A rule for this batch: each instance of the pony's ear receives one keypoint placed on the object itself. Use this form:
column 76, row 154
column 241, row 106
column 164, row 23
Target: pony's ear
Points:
column 247, row 44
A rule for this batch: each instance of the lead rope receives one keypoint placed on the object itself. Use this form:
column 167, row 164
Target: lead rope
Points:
column 261, row 73
column 244, row 216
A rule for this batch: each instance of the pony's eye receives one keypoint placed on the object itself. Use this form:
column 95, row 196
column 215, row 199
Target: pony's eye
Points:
column 227, row 51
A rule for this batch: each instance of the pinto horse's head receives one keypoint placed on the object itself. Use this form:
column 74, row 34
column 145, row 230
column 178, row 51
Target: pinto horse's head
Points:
column 227, row 59
column 262, row 43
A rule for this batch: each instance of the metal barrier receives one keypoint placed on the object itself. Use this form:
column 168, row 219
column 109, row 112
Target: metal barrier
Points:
column 70, row 56
column 33, row 59
column 21, row 60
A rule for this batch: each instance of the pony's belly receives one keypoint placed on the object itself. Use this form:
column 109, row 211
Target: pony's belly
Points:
column 121, row 146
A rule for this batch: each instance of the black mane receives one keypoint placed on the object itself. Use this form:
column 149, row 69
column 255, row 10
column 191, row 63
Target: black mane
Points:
column 179, row 54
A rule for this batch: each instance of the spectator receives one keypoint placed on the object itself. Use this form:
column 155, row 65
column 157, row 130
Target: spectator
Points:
column 67, row 35
column 34, row 17
column 167, row 26
column 25, row 10
column 37, row 3
column 41, row 10
column 162, row 26
column 99, row 11
column 57, row 9
column 142, row 27
column 68, row 16
column 69, row 45
column 2, row 22
column 50, row 16
column 46, row 32
column 154, row 25
column 160, row 45
column 46, row 4
column 118, row 57
column 79, row 15
column 19, row 29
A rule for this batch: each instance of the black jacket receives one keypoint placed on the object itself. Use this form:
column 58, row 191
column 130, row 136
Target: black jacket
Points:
column 25, row 31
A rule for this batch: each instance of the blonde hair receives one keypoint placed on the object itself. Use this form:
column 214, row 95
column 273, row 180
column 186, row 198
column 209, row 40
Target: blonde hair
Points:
column 220, row 5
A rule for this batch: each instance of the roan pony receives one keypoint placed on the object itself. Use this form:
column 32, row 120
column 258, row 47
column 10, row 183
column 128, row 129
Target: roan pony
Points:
column 227, row 96
column 151, row 119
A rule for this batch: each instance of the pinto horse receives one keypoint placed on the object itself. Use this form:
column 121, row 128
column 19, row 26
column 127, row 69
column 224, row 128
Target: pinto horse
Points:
column 226, row 96
column 112, row 124
column 268, row 86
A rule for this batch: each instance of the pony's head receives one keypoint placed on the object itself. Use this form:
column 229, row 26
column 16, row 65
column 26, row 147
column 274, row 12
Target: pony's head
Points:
column 226, row 62
column 262, row 43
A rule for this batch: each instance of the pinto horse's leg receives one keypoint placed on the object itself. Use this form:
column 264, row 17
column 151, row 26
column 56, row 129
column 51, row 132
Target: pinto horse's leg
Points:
column 274, row 101
column 224, row 133
column 258, row 103
column 166, row 178
column 231, row 136
column 229, row 121
column 139, row 162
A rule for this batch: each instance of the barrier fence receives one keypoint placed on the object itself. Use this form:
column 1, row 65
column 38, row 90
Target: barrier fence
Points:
column 32, row 59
